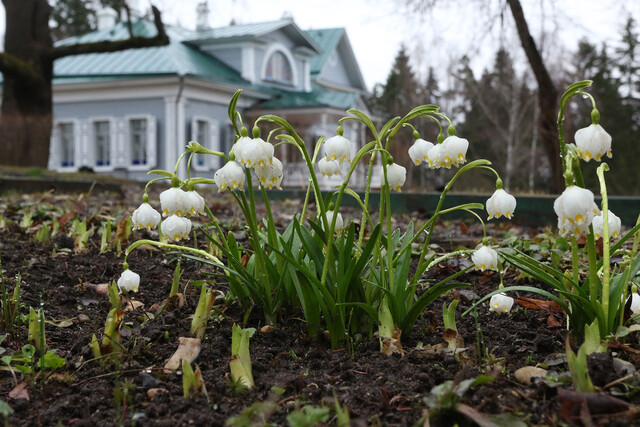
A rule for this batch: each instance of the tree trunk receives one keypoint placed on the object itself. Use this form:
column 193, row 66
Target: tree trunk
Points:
column 547, row 96
column 25, row 118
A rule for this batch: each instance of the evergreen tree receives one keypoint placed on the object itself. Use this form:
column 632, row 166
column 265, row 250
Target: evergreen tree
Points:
column 72, row 18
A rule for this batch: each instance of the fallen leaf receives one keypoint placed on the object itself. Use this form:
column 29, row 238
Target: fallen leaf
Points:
column 188, row 349
column 153, row 392
column 539, row 304
column 552, row 322
column 132, row 304
column 527, row 373
column 267, row 329
column 20, row 391
column 392, row 345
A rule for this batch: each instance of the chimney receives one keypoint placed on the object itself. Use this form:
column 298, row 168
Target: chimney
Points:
column 106, row 18
column 202, row 16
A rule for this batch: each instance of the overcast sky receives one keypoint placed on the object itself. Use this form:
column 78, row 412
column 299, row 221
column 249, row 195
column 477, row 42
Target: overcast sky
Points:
column 377, row 28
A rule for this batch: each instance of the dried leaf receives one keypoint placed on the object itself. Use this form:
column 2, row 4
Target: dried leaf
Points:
column 539, row 304
column 393, row 345
column 527, row 373
column 20, row 391
column 188, row 349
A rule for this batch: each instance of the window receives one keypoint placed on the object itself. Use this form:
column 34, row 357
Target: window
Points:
column 102, row 142
column 138, row 141
column 279, row 68
column 205, row 131
column 66, row 138
column 202, row 136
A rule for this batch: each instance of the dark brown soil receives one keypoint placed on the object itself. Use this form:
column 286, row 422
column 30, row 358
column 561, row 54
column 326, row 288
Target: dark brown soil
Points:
column 292, row 373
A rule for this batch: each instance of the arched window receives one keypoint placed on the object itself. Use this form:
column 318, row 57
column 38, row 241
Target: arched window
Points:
column 279, row 68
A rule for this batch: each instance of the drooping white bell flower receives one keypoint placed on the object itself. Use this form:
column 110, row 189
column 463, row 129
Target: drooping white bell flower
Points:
column 485, row 258
column 173, row 202
column 176, row 228
column 593, row 142
column 129, row 281
column 575, row 208
column 635, row 303
column 612, row 220
column 240, row 149
column 501, row 303
column 258, row 152
column 418, row 151
column 270, row 174
column 230, row 176
column 453, row 151
column 433, row 157
column 339, row 225
column 501, row 203
column 194, row 203
column 396, row 175
column 329, row 167
column 337, row 148
column 145, row 217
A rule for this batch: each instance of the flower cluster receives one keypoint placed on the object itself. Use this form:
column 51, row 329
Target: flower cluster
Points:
column 451, row 152
column 254, row 153
column 576, row 209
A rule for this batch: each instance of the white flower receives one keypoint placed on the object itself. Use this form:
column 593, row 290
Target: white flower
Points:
column 396, row 175
column 230, row 176
column 635, row 303
column 339, row 225
column 176, row 228
column 173, row 202
column 593, row 142
column 433, row 157
column 270, row 174
column 129, row 281
column 501, row 203
column 145, row 217
column 194, row 203
column 329, row 167
column 485, row 258
column 418, row 151
column 257, row 152
column 240, row 149
column 575, row 209
column 453, row 151
column 337, row 148
column 598, row 225
column 501, row 303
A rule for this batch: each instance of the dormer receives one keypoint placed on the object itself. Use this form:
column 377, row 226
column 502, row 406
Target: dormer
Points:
column 276, row 53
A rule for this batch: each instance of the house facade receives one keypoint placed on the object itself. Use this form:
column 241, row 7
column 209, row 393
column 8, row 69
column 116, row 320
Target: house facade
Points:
column 125, row 113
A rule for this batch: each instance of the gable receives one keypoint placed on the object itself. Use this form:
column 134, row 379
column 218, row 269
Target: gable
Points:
column 337, row 66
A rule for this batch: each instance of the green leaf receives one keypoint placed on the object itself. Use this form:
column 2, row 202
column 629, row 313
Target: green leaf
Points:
column 52, row 360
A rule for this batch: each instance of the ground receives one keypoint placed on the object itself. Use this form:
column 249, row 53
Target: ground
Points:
column 298, row 381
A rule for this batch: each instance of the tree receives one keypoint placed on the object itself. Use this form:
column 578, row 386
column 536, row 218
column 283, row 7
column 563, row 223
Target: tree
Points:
column 499, row 118
column 72, row 18
column 547, row 92
column 27, row 67
column 402, row 92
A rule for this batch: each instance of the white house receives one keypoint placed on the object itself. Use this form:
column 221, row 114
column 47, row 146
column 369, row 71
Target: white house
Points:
column 127, row 112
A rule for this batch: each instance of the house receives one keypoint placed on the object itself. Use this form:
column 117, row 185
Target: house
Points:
column 124, row 113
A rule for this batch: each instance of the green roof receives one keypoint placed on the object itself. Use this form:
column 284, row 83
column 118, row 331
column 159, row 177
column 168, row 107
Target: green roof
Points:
column 318, row 97
column 327, row 39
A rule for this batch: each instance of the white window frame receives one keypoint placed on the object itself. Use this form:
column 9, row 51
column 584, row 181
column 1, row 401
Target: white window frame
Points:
column 212, row 143
column 55, row 152
column 151, row 142
column 275, row 48
column 112, row 143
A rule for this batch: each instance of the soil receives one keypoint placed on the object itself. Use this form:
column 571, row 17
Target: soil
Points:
column 294, row 376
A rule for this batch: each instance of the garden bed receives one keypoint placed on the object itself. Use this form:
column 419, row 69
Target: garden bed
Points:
column 296, row 379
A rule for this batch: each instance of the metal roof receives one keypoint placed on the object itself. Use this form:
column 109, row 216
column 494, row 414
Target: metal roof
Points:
column 318, row 97
column 327, row 39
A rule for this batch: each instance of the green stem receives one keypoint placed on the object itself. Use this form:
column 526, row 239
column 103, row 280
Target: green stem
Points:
column 200, row 252
column 606, row 266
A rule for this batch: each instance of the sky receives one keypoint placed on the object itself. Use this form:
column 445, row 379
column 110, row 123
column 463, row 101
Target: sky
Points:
column 435, row 38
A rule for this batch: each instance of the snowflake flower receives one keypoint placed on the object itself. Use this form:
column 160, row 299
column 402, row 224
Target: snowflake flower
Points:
column 501, row 203
column 329, row 167
column 176, row 228
column 337, row 148
column 593, row 142
column 614, row 225
column 129, row 281
column 418, row 151
column 145, row 217
column 173, row 202
column 396, row 175
column 485, row 258
column 501, row 303
column 230, row 176
column 270, row 174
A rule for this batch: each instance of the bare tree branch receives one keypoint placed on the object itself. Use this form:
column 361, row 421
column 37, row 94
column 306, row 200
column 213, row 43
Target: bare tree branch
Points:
column 161, row 39
column 12, row 66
